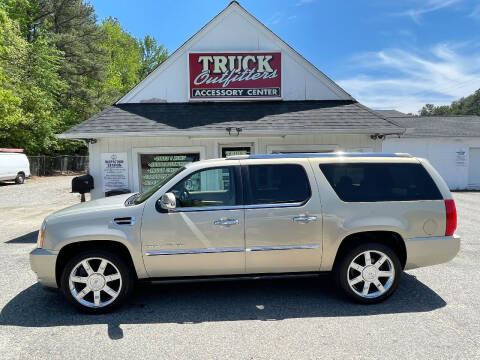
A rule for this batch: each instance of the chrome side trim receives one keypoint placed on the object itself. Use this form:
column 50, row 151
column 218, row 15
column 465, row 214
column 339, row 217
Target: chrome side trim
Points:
column 207, row 208
column 224, row 250
column 193, row 251
column 238, row 207
column 283, row 247
column 279, row 205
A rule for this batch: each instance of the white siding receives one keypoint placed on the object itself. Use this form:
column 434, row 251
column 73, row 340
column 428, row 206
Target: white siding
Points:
column 442, row 154
column 234, row 30
column 210, row 148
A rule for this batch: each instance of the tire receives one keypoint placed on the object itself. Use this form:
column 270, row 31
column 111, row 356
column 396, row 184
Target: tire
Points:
column 353, row 273
column 20, row 179
column 93, row 290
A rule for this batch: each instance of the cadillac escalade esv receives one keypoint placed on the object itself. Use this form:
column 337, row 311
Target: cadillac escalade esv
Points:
column 364, row 217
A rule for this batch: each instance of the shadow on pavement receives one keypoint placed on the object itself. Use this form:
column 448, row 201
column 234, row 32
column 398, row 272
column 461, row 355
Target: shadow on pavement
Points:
column 30, row 238
column 7, row 183
column 187, row 303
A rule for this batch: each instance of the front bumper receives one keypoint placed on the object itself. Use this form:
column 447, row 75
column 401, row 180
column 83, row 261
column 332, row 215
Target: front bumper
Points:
column 43, row 262
column 431, row 250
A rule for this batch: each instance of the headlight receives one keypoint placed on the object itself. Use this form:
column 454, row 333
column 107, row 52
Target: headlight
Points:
column 41, row 235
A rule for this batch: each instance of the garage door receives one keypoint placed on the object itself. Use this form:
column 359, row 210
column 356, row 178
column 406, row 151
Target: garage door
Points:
column 474, row 167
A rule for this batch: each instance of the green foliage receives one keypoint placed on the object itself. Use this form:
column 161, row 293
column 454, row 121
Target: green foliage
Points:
column 123, row 63
column 469, row 105
column 152, row 55
column 58, row 67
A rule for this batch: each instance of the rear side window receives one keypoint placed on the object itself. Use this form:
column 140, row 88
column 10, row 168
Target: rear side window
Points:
column 273, row 184
column 380, row 182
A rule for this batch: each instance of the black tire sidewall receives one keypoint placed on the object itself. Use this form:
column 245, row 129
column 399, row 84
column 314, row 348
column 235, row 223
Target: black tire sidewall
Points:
column 20, row 179
column 118, row 261
column 342, row 269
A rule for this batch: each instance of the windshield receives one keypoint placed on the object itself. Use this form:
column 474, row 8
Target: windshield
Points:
column 141, row 197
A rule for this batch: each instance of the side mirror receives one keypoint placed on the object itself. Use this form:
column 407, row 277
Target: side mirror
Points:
column 168, row 201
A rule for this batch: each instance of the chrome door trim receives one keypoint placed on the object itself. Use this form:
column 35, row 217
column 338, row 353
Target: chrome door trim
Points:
column 223, row 250
column 207, row 208
column 238, row 207
column 279, row 205
column 283, row 247
column 193, row 251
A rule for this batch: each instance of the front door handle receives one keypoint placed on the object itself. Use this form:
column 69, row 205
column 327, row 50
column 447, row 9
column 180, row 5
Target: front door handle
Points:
column 225, row 222
column 304, row 219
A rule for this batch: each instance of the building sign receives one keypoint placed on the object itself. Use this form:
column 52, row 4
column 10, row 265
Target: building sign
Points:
column 461, row 157
column 155, row 167
column 115, row 171
column 235, row 75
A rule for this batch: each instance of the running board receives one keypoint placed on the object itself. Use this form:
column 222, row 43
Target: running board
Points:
column 218, row 278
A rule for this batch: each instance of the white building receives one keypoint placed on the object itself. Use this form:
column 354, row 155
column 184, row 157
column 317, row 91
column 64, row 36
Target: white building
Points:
column 450, row 143
column 234, row 87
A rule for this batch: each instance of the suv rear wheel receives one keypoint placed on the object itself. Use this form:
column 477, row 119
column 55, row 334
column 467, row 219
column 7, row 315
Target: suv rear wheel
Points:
column 96, row 281
column 369, row 273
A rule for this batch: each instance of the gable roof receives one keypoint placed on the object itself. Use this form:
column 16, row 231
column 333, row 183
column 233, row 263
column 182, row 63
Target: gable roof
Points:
column 265, row 117
column 440, row 126
column 391, row 113
column 234, row 5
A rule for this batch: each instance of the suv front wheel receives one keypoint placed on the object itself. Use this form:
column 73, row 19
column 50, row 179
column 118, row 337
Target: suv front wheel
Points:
column 96, row 281
column 369, row 273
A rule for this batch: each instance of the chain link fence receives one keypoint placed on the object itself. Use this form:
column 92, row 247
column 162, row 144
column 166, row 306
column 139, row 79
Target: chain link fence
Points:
column 57, row 165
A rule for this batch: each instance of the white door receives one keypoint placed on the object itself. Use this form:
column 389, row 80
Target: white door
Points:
column 7, row 162
column 474, row 167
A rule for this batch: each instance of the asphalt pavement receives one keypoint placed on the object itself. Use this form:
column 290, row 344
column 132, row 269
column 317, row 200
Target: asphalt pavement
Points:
column 435, row 313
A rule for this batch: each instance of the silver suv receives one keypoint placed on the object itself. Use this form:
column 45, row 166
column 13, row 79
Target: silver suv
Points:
column 365, row 217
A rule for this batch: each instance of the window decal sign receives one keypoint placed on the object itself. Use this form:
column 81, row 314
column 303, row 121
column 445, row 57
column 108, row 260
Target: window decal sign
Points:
column 155, row 167
column 243, row 75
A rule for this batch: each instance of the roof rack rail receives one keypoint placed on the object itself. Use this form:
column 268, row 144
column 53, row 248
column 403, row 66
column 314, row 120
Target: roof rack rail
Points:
column 318, row 155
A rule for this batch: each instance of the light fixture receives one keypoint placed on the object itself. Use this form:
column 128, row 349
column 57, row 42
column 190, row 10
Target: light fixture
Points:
column 231, row 129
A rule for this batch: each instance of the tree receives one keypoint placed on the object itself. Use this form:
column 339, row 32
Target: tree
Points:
column 123, row 63
column 153, row 55
column 469, row 105
column 58, row 67
column 13, row 54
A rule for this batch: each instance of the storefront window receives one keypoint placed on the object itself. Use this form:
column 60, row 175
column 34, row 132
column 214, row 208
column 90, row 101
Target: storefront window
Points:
column 155, row 167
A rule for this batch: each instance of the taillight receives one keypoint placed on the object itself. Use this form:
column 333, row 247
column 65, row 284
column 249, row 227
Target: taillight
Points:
column 451, row 217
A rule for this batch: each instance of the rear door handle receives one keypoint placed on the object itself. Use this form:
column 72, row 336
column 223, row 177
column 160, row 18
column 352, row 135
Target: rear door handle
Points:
column 304, row 219
column 225, row 222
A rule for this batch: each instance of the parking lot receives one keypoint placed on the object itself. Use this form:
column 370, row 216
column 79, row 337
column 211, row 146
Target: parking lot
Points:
column 434, row 314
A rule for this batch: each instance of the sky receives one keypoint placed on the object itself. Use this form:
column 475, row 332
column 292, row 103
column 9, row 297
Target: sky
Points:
column 387, row 54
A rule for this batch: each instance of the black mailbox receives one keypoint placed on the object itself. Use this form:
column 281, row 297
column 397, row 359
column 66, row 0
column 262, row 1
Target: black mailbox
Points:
column 82, row 184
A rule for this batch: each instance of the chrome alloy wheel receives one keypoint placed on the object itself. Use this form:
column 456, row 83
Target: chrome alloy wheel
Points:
column 95, row 288
column 371, row 274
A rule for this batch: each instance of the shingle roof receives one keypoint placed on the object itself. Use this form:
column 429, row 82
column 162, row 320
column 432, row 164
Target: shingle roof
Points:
column 440, row 126
column 281, row 116
column 391, row 113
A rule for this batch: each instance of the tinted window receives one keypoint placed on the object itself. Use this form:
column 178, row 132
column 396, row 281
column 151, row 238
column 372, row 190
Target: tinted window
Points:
column 271, row 184
column 209, row 187
column 381, row 182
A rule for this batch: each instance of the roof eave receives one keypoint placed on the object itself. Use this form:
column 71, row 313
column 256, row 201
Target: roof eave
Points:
column 223, row 133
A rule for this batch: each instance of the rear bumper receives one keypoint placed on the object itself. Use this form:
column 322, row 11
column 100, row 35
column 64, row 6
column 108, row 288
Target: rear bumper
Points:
column 43, row 262
column 431, row 250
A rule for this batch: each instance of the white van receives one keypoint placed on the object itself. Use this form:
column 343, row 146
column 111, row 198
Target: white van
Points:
column 14, row 165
